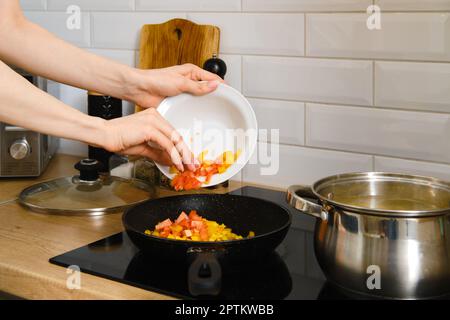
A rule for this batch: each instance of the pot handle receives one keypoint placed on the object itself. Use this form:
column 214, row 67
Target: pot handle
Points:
column 295, row 197
column 205, row 274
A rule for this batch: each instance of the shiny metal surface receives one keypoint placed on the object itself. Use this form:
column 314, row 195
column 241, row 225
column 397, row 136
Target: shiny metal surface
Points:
column 19, row 149
column 410, row 257
column 372, row 246
column 296, row 195
column 72, row 196
column 25, row 153
column 380, row 193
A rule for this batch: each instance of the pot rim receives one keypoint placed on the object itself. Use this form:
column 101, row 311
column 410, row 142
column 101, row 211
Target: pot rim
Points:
column 377, row 176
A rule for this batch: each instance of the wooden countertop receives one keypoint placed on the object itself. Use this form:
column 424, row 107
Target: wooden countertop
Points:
column 28, row 240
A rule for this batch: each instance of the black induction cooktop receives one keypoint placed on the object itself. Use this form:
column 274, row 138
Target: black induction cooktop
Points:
column 291, row 272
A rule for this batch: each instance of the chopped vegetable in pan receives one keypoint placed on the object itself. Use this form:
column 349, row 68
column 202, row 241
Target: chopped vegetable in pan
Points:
column 194, row 228
column 189, row 180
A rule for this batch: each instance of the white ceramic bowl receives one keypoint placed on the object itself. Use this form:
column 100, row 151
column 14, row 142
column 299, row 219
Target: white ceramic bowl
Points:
column 220, row 121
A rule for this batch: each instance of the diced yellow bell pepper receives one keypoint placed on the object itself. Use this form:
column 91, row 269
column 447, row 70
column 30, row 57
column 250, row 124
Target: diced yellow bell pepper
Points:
column 201, row 156
column 237, row 154
column 222, row 168
column 228, row 158
column 207, row 163
column 176, row 228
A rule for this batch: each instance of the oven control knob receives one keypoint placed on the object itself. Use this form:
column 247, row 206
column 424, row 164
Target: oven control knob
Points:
column 19, row 149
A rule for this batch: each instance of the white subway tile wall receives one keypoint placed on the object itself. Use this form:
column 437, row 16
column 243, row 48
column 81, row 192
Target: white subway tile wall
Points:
column 103, row 5
column 301, row 165
column 306, row 5
column 406, row 36
column 192, row 5
column 413, row 5
column 344, row 97
column 413, row 167
column 306, row 79
column 242, row 33
column 33, row 4
column 56, row 22
column 415, row 135
column 286, row 116
column 413, row 85
column 121, row 30
column 234, row 70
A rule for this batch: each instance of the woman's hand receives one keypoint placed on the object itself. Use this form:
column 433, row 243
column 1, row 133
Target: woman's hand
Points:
column 132, row 134
column 148, row 88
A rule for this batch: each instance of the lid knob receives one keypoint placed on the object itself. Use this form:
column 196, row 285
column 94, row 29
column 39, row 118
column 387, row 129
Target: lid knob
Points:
column 89, row 169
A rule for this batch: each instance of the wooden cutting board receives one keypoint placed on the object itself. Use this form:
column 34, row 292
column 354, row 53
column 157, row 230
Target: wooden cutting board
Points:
column 176, row 42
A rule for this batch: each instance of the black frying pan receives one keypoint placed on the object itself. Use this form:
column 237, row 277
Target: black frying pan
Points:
column 242, row 214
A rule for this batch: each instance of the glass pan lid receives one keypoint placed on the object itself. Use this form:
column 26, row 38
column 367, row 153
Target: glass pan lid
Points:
column 88, row 194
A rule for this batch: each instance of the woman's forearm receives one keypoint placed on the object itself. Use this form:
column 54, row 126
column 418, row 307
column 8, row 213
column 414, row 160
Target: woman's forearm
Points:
column 31, row 47
column 24, row 105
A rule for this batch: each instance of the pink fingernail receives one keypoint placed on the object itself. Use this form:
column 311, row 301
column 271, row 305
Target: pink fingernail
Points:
column 213, row 84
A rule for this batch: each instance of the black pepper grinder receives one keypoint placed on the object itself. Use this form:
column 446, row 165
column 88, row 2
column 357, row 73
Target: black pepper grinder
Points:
column 216, row 65
column 105, row 107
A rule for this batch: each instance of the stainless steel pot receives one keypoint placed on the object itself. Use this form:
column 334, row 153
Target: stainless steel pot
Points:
column 381, row 234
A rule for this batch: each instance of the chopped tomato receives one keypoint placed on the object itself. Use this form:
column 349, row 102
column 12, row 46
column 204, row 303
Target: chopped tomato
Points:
column 163, row 224
column 181, row 217
column 204, row 234
column 194, row 228
column 185, row 224
column 208, row 178
column 188, row 180
column 165, row 232
column 198, row 225
column 194, row 216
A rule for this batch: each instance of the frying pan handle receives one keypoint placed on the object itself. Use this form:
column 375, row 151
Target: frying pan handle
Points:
column 205, row 274
column 296, row 195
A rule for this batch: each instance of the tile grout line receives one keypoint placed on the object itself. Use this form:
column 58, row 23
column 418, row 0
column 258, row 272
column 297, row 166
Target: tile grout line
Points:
column 361, row 153
column 350, row 105
column 293, row 12
column 305, row 115
column 305, row 16
column 242, row 74
column 373, row 94
column 337, row 58
column 91, row 30
column 281, row 56
column 373, row 83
